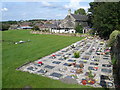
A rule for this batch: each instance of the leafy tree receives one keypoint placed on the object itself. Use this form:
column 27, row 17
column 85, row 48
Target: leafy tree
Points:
column 9, row 22
column 80, row 11
column 36, row 28
column 112, row 38
column 105, row 17
column 5, row 27
column 79, row 29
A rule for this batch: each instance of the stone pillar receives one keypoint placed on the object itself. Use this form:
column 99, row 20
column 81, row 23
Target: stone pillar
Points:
column 69, row 11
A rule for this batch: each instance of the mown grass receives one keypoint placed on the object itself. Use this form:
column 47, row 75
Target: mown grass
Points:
column 14, row 55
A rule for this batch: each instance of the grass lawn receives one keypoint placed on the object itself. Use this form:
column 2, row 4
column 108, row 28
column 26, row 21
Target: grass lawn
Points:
column 14, row 55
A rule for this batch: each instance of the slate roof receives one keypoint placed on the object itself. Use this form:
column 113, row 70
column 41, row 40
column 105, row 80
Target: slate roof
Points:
column 79, row 17
column 48, row 26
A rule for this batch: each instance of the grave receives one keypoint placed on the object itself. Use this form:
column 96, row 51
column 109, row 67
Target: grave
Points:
column 103, row 77
column 83, row 61
column 70, row 60
column 77, row 65
column 103, row 84
column 92, row 68
column 106, row 65
column 73, row 56
column 76, row 49
column 64, row 51
column 68, row 54
column 85, row 57
column 92, row 63
column 39, row 65
column 56, row 62
column 62, row 69
column 106, row 70
column 95, row 60
column 69, row 80
column 42, row 71
column 32, row 68
column 88, row 53
column 51, row 57
column 58, row 55
column 106, row 55
column 66, row 64
column 54, row 74
column 105, row 58
column 109, row 84
column 49, row 67
column 61, row 58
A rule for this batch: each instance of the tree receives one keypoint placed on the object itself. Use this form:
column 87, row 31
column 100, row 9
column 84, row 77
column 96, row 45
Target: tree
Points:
column 79, row 29
column 36, row 28
column 105, row 17
column 80, row 11
column 5, row 27
column 113, row 37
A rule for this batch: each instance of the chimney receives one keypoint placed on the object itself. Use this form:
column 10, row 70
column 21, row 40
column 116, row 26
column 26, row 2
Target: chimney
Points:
column 69, row 11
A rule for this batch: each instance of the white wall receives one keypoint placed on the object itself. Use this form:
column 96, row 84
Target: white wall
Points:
column 62, row 31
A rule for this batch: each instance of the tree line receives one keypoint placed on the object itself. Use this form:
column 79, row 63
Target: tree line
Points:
column 104, row 17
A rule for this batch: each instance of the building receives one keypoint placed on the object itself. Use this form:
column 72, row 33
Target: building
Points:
column 70, row 22
column 12, row 27
column 25, row 27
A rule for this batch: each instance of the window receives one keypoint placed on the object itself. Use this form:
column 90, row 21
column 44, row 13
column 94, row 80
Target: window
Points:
column 66, row 29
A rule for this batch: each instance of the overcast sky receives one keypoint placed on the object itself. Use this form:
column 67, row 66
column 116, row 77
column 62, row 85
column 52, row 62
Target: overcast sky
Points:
column 39, row 9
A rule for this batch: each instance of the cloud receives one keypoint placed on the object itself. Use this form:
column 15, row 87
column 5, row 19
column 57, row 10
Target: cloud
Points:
column 75, row 4
column 47, row 0
column 59, row 15
column 85, row 7
column 3, row 9
column 31, row 0
column 45, row 3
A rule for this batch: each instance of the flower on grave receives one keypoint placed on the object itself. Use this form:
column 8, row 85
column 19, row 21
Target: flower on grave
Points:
column 81, row 65
column 96, row 79
column 75, row 76
column 74, row 60
column 74, row 63
column 84, row 82
column 96, row 68
column 87, row 78
column 89, row 81
column 53, row 55
column 78, row 71
column 92, row 82
column 40, row 62
column 65, row 56
column 90, row 75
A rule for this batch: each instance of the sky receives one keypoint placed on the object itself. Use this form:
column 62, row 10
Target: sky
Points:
column 40, row 9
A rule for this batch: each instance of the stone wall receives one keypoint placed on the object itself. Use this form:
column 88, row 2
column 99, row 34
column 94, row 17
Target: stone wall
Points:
column 115, row 51
column 61, row 34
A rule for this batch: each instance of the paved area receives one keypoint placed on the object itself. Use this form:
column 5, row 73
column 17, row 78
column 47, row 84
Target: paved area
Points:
column 62, row 65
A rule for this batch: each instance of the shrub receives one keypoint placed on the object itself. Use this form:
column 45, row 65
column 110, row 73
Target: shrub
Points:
column 76, row 54
column 36, row 28
column 112, row 37
column 90, row 74
column 79, row 29
column 4, row 27
column 113, row 60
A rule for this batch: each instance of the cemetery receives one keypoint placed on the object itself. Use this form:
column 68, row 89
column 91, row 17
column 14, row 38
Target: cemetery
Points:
column 86, row 62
